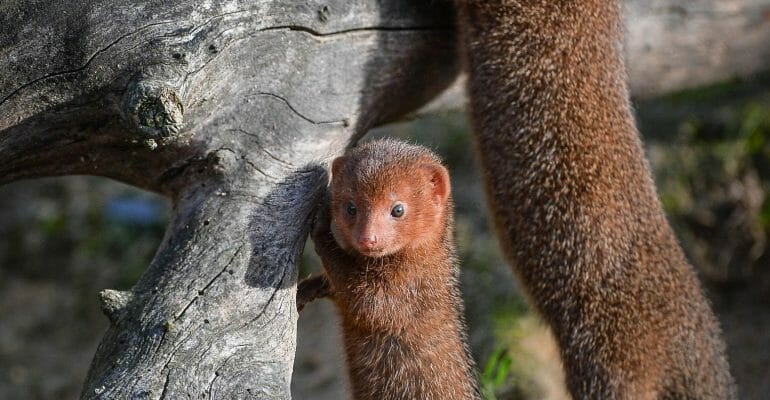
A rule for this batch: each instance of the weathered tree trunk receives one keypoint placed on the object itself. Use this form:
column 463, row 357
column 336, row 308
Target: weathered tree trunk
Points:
column 674, row 45
column 229, row 108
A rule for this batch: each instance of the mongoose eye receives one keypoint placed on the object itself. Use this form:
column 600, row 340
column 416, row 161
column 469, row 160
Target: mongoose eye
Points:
column 397, row 210
column 351, row 209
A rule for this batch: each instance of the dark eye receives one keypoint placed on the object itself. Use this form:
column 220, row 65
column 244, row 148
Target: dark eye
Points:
column 397, row 210
column 351, row 209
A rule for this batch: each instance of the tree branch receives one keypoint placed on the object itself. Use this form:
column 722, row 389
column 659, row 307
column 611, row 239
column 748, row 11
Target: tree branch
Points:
column 230, row 109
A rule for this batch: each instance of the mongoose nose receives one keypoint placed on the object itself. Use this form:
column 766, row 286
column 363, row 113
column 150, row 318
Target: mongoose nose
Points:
column 367, row 242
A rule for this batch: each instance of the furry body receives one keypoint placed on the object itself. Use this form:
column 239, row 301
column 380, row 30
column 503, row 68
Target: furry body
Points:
column 394, row 279
column 575, row 206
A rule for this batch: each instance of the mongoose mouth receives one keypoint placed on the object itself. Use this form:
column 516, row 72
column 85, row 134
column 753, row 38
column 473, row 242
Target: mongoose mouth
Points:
column 372, row 253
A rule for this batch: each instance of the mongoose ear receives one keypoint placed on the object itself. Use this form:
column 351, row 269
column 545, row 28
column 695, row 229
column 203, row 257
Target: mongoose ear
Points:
column 439, row 178
column 337, row 165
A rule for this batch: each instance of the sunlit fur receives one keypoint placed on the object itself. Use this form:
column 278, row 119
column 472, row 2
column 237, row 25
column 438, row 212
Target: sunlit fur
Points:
column 575, row 205
column 375, row 180
column 400, row 303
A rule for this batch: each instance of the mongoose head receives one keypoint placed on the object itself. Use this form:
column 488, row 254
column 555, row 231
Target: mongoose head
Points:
column 388, row 197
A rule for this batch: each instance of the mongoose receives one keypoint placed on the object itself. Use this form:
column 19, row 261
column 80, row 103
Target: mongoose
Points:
column 390, row 265
column 575, row 206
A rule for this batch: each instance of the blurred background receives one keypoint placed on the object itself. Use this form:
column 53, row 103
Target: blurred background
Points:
column 63, row 240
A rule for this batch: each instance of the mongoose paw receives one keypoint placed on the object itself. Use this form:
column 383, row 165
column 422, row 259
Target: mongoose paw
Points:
column 321, row 231
column 312, row 288
column 322, row 213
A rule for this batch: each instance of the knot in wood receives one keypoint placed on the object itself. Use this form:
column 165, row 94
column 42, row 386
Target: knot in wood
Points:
column 114, row 303
column 154, row 110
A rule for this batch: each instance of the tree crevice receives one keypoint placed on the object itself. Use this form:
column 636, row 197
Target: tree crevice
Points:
column 319, row 34
column 262, row 148
column 82, row 67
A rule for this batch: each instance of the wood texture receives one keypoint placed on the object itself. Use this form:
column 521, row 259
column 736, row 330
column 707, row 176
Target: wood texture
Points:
column 674, row 45
column 230, row 109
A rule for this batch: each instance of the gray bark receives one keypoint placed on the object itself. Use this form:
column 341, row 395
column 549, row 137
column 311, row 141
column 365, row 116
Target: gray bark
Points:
column 230, row 109
column 674, row 45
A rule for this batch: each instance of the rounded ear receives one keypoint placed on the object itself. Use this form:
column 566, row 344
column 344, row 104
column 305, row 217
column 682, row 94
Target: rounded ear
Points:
column 337, row 165
column 438, row 176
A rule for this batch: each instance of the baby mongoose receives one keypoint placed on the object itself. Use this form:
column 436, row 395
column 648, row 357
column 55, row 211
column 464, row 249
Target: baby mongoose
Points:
column 575, row 206
column 391, row 270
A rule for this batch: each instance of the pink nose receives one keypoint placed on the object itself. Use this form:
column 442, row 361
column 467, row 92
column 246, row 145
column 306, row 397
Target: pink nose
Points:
column 367, row 242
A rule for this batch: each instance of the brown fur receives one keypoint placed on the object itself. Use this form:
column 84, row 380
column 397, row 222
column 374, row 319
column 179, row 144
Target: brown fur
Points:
column 575, row 206
column 400, row 304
